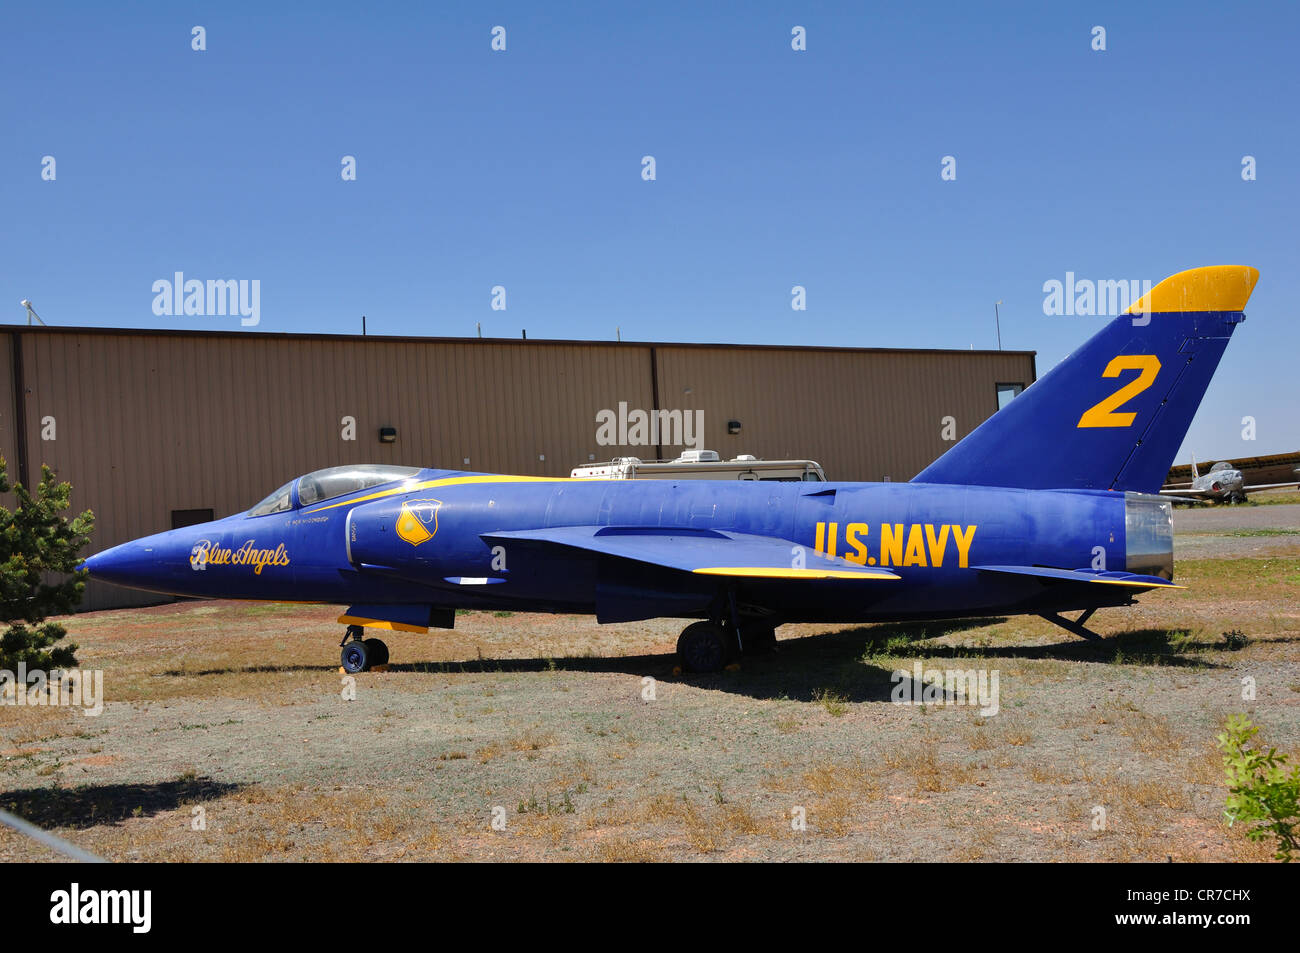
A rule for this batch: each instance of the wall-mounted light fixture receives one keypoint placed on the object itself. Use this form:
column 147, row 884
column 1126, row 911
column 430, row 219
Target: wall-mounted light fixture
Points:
column 388, row 435
column 733, row 426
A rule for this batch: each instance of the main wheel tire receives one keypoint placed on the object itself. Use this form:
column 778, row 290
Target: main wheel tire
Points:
column 356, row 656
column 376, row 652
column 702, row 647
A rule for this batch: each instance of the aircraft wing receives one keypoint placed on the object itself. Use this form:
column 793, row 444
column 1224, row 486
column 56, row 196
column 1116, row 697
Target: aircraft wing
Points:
column 1131, row 579
column 702, row 551
column 1190, row 495
column 1270, row 486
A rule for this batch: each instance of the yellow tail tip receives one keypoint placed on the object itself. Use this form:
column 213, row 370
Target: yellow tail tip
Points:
column 1214, row 288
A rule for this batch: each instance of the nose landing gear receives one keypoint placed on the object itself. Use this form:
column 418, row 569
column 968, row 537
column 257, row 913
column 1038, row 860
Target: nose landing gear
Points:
column 361, row 654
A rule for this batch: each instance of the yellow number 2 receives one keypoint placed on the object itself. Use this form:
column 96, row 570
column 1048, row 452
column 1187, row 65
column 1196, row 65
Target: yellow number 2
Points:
column 1103, row 414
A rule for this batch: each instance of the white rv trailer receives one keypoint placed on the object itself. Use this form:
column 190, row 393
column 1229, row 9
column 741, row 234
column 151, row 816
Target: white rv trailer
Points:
column 703, row 465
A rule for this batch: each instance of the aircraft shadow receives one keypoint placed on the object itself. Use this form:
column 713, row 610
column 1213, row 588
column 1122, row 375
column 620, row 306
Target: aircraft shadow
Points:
column 826, row 667
column 93, row 805
column 249, row 670
column 853, row 664
column 1150, row 646
column 842, row 666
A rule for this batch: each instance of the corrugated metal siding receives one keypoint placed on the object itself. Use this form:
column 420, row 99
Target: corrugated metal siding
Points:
column 150, row 423
column 864, row 415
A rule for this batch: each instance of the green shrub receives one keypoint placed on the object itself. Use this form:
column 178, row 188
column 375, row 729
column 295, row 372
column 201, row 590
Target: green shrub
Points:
column 1262, row 794
column 1235, row 640
column 38, row 577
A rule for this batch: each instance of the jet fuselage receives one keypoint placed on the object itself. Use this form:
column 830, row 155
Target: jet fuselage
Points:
column 353, row 549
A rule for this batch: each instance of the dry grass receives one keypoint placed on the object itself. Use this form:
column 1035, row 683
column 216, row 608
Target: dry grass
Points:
column 740, row 820
column 788, row 724
column 833, row 778
column 933, row 775
column 623, row 850
column 834, row 814
column 1151, row 734
column 980, row 738
column 532, row 740
column 488, row 752
column 835, row 702
column 1045, row 774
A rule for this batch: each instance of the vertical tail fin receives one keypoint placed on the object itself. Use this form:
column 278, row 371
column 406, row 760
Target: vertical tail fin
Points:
column 1112, row 415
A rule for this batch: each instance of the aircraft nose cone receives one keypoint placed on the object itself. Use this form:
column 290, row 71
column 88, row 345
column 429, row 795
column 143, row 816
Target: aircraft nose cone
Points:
column 126, row 565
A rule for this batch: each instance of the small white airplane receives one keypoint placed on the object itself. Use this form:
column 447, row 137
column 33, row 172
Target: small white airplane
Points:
column 1223, row 484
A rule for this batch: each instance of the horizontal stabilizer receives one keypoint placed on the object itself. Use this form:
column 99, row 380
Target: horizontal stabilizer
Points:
column 1084, row 575
column 702, row 551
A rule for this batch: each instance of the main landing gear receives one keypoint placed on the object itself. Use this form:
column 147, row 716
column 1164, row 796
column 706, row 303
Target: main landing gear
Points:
column 710, row 646
column 361, row 654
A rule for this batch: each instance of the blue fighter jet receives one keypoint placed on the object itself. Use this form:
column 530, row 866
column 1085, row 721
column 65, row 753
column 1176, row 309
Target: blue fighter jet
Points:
column 1050, row 506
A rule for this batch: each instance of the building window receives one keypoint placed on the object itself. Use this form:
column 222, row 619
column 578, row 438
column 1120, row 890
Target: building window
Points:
column 190, row 517
column 1006, row 392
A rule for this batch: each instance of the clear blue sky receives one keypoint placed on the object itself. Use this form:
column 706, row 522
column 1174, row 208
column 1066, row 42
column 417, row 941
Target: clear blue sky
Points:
column 775, row 168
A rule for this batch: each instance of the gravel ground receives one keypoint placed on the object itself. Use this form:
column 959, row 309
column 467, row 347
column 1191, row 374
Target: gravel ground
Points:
column 1216, row 532
column 227, row 734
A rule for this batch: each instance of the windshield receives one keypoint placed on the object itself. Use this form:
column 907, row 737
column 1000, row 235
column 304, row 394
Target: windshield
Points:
column 340, row 481
column 277, row 502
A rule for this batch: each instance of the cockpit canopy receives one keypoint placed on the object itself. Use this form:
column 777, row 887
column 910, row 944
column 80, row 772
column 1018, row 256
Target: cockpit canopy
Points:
column 340, row 481
column 277, row 502
column 329, row 483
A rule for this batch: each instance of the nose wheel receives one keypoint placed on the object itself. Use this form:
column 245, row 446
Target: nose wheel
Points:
column 361, row 654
